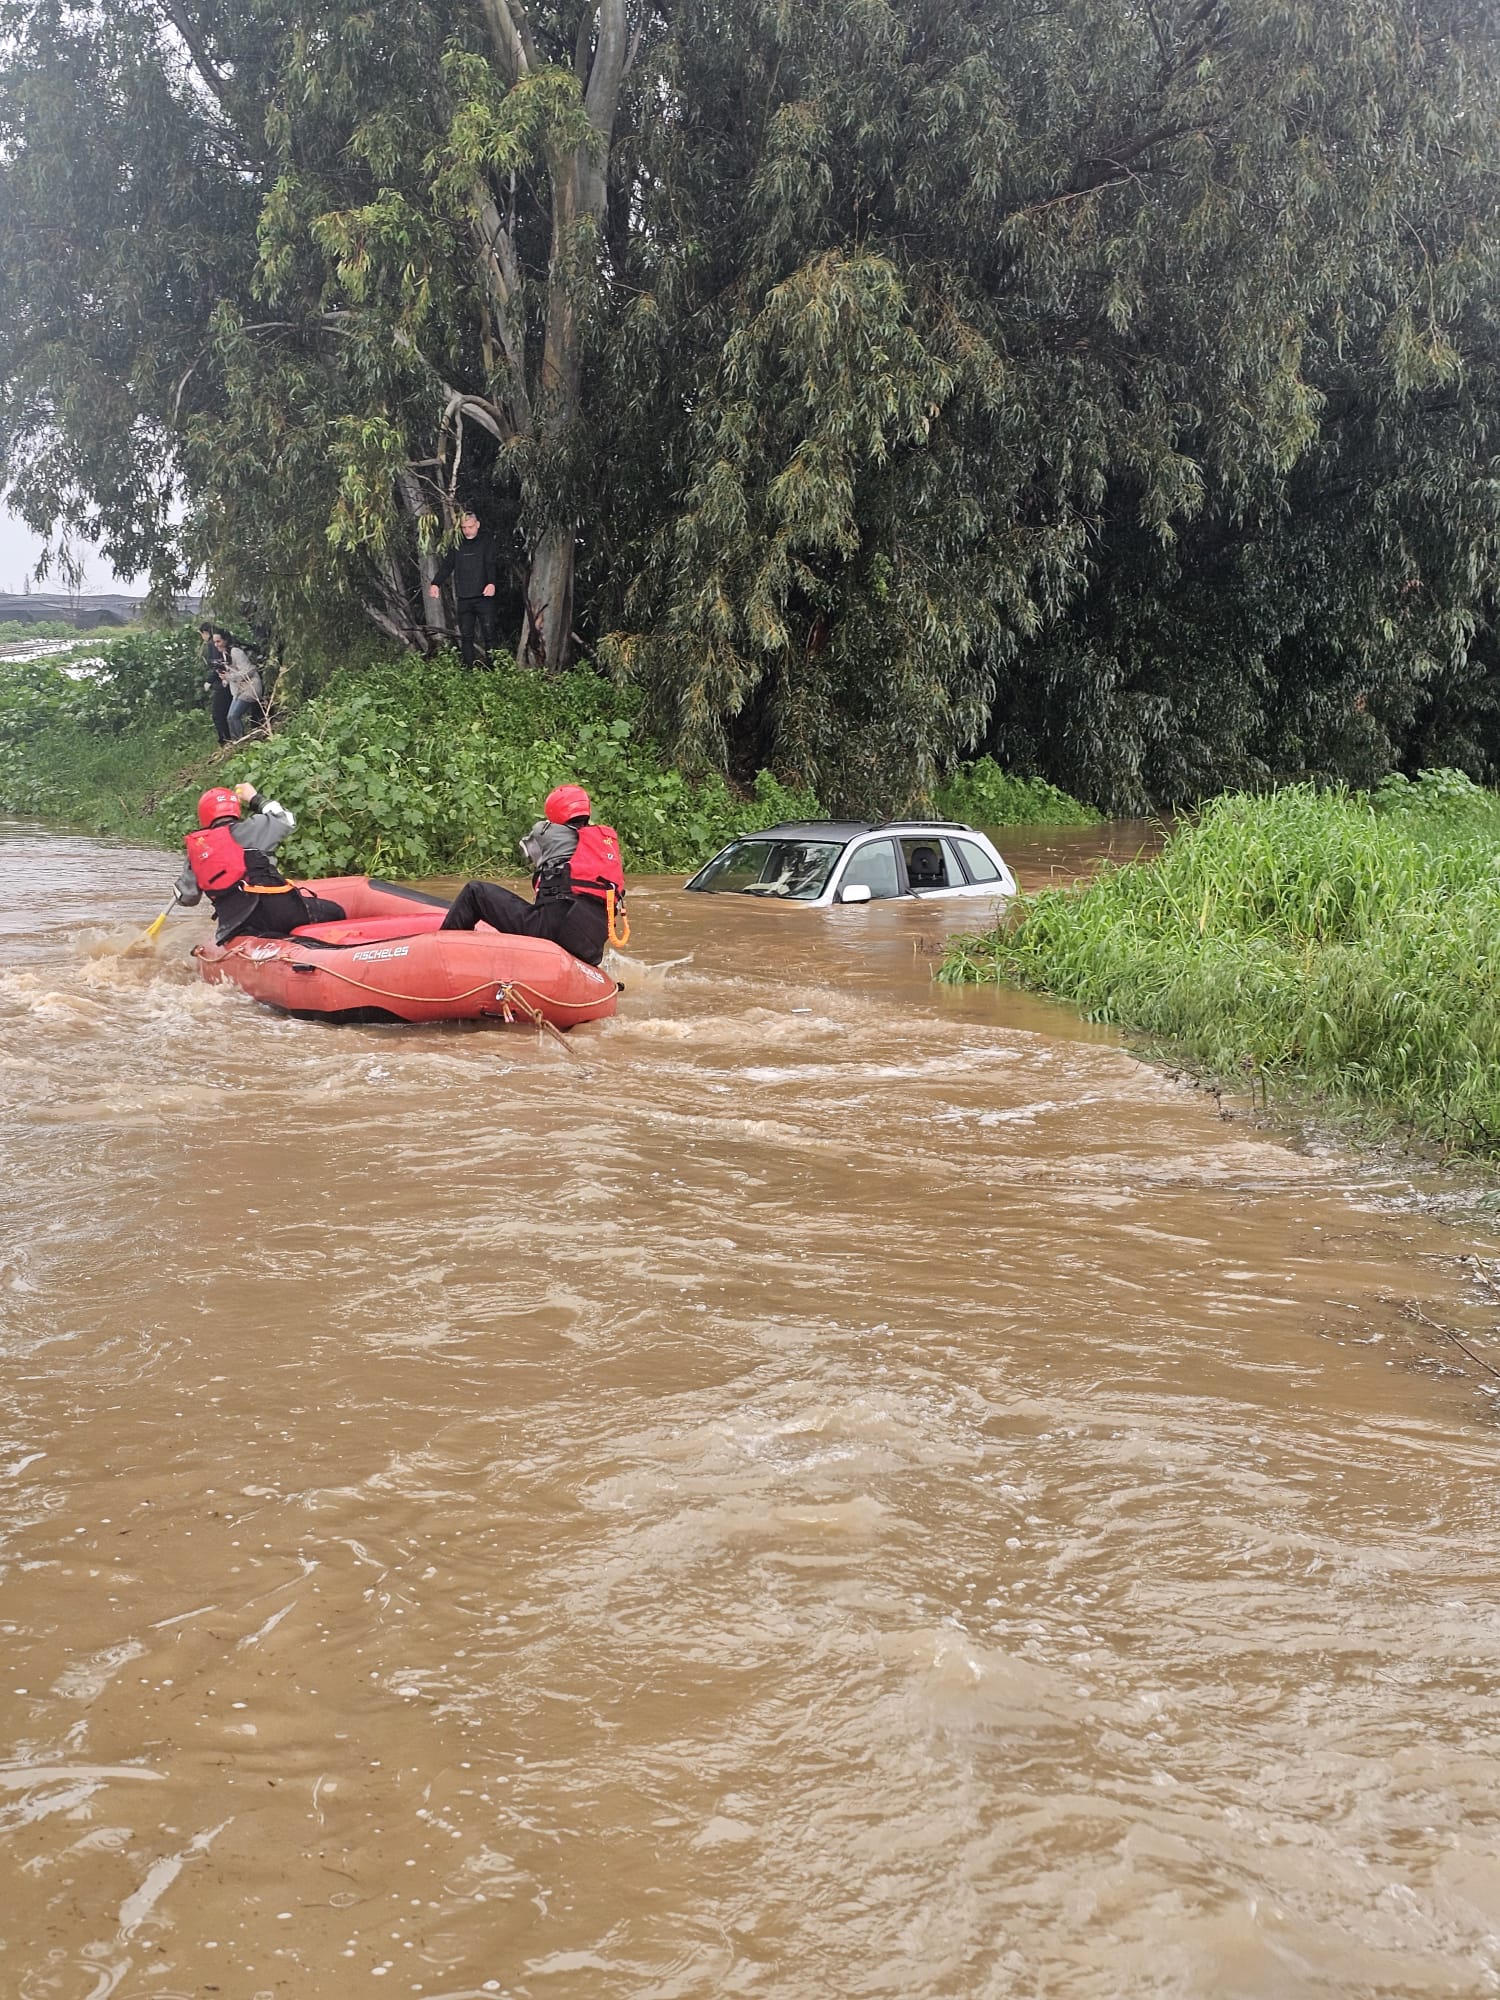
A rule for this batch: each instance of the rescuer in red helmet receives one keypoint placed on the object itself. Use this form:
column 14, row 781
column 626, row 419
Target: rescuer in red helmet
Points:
column 575, row 872
column 229, row 861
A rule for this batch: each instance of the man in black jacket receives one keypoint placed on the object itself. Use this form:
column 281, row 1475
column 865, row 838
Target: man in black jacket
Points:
column 471, row 564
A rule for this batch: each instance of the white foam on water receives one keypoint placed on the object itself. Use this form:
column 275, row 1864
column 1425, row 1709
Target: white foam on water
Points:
column 87, row 1679
column 159, row 1878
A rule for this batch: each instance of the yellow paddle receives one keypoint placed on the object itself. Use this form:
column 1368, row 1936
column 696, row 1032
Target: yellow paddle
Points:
column 148, row 936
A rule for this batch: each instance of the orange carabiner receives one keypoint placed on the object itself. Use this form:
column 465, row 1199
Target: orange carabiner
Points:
column 619, row 939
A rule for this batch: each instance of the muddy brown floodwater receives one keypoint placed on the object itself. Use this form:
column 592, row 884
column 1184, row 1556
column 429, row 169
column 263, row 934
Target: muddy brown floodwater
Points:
column 824, row 1486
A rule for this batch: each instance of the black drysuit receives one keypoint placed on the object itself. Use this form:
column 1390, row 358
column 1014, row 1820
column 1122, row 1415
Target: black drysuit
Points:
column 472, row 564
column 239, row 911
column 580, row 924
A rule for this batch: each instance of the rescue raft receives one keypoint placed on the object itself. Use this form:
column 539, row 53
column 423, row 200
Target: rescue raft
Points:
column 388, row 960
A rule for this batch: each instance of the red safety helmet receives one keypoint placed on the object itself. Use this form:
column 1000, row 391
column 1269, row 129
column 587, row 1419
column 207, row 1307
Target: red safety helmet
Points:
column 220, row 803
column 568, row 802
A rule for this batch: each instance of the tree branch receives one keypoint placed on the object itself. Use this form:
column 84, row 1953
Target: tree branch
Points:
column 635, row 48
column 1118, row 160
column 603, row 94
column 410, row 489
column 511, row 34
column 480, row 412
column 332, row 322
column 193, row 42
column 501, row 271
column 1159, row 38
column 581, row 42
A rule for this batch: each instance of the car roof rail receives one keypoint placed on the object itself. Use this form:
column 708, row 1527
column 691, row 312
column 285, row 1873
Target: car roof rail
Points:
column 806, row 826
column 885, row 825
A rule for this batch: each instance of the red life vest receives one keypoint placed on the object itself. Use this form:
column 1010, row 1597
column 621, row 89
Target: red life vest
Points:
column 595, row 868
column 216, row 859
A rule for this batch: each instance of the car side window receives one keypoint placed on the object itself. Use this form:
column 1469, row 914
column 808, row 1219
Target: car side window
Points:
column 925, row 867
column 977, row 862
column 957, row 875
column 873, row 866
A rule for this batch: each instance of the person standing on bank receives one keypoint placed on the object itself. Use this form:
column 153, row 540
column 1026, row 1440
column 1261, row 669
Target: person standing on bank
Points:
column 229, row 861
column 472, row 564
column 245, row 688
column 217, row 668
column 577, row 875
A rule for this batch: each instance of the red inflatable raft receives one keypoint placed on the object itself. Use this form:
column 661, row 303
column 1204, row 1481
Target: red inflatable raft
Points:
column 389, row 961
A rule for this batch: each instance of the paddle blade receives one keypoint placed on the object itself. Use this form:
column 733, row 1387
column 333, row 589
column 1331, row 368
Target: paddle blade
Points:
column 148, row 935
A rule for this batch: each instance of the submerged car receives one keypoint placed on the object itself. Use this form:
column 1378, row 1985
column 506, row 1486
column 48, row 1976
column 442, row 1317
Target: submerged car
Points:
column 849, row 861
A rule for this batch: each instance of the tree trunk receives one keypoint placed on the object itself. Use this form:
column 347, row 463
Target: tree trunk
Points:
column 400, row 630
column 434, row 617
column 579, row 179
column 547, row 627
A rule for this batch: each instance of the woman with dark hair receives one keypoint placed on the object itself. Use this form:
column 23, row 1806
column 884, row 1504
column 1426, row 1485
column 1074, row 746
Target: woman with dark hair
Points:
column 245, row 708
column 216, row 666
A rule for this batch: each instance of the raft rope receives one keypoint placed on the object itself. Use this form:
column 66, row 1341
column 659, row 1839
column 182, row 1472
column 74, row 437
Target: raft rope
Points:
column 510, row 993
column 505, row 990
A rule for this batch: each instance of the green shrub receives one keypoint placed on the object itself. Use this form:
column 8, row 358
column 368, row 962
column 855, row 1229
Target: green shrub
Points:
column 1445, row 799
column 90, row 738
column 52, row 768
column 405, row 768
column 414, row 768
column 16, row 631
column 144, row 674
column 984, row 795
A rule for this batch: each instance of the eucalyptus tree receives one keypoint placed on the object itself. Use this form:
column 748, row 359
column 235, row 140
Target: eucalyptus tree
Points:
column 454, row 234
column 1111, row 382
column 125, row 215
column 1091, row 379
column 315, row 274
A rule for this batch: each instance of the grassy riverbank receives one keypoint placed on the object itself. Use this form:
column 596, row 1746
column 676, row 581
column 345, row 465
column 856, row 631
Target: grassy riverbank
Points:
column 94, row 735
column 404, row 767
column 1316, row 944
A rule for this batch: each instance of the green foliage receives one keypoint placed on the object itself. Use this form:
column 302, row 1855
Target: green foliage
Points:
column 1448, row 797
column 417, row 768
column 1311, row 941
column 141, row 679
column 403, row 767
column 985, row 795
column 18, row 630
column 106, row 624
column 1113, row 390
column 91, row 736
column 142, row 676
column 73, row 749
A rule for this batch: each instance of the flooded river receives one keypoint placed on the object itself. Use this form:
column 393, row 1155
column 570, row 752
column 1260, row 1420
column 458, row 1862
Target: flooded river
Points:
column 822, row 1486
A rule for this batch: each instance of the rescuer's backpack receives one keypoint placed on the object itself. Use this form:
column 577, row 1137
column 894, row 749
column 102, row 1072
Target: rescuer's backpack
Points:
column 596, row 868
column 216, row 859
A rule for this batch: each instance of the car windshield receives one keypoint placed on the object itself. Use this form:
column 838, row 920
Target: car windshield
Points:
column 798, row 869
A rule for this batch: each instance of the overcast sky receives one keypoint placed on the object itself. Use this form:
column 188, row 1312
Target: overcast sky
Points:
column 19, row 550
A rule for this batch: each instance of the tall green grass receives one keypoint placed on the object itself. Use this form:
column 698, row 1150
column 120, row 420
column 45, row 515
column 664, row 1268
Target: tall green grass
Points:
column 1313, row 942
